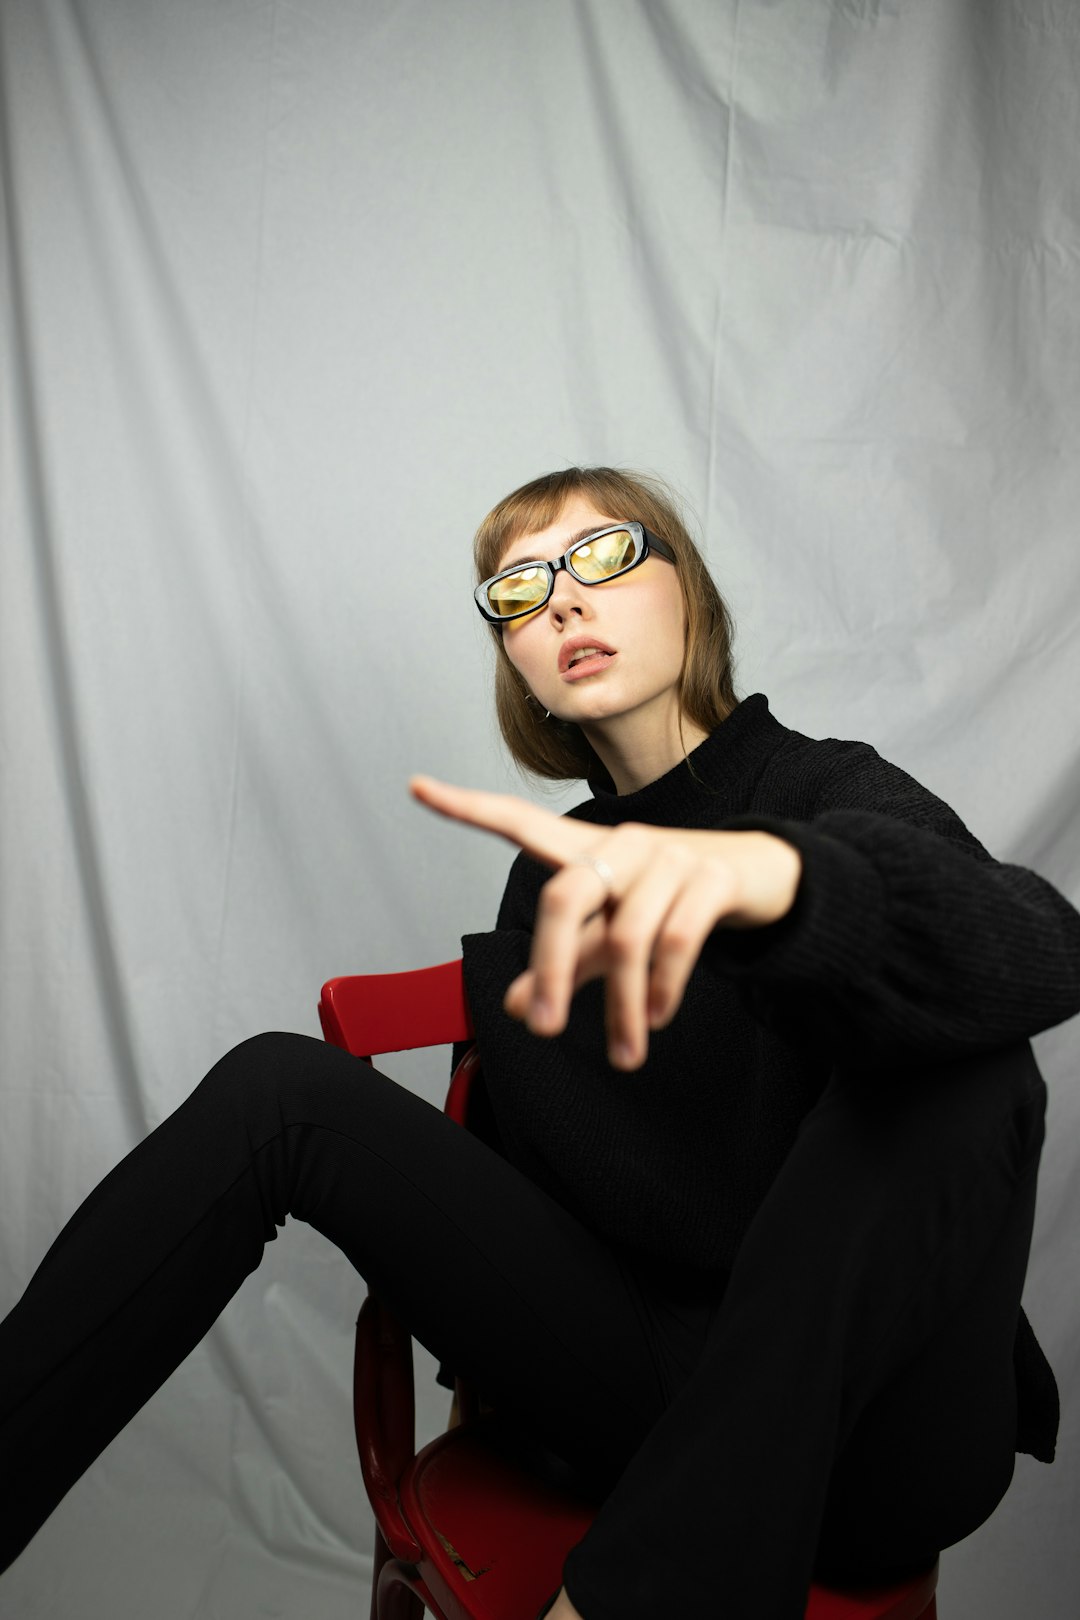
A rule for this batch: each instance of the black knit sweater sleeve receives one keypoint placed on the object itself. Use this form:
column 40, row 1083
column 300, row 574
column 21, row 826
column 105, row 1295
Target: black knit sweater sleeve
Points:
column 905, row 932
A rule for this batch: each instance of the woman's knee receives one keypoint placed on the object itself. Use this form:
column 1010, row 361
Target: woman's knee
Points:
column 300, row 1091
column 256, row 1073
column 950, row 1119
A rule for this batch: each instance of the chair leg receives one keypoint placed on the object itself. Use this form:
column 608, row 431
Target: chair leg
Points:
column 390, row 1598
column 395, row 1592
column 379, row 1557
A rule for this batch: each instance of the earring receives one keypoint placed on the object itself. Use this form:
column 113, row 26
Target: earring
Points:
column 529, row 698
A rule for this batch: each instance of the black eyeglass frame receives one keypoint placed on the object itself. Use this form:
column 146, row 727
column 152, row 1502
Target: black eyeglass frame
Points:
column 644, row 540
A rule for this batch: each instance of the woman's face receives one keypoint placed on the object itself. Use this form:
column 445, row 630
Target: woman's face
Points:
column 638, row 622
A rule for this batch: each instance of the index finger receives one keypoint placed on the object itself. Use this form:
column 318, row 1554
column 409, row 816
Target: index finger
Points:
column 550, row 838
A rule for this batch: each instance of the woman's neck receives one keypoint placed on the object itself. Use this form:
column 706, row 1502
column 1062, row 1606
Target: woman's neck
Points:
column 640, row 747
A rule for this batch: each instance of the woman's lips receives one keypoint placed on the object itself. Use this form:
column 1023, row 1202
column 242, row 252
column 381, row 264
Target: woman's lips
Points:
column 589, row 666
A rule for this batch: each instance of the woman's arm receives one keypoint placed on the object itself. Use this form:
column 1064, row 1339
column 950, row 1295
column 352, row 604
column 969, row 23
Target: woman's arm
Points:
column 855, row 925
column 906, row 933
column 631, row 904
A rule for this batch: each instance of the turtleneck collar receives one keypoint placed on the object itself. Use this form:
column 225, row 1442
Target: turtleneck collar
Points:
column 718, row 769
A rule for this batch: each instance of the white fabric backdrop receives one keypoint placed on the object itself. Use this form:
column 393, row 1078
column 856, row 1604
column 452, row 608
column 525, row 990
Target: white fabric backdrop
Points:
column 293, row 293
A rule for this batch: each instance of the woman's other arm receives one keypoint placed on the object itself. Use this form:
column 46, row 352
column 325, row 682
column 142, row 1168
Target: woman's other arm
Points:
column 906, row 932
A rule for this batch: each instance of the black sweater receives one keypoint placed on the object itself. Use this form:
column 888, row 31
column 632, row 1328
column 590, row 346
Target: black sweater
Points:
column 906, row 942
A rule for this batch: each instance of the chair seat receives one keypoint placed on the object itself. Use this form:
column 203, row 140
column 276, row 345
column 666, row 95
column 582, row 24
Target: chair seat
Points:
column 496, row 1532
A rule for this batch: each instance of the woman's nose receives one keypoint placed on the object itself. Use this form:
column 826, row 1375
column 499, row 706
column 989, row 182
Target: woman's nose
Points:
column 567, row 596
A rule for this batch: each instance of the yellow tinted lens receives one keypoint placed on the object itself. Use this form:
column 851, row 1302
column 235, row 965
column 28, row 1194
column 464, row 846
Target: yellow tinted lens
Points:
column 516, row 593
column 599, row 559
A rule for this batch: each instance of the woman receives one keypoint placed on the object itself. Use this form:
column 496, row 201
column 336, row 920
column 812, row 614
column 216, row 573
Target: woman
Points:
column 746, row 1239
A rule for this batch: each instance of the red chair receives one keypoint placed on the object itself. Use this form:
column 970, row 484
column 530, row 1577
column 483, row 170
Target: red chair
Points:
column 468, row 1528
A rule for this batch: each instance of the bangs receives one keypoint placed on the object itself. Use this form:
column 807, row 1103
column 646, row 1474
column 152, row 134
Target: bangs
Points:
column 534, row 507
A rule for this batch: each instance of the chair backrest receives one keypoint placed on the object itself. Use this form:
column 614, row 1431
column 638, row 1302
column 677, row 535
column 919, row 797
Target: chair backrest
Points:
column 371, row 1013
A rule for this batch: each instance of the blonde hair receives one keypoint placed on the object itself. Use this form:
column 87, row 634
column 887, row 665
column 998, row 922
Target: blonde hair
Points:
column 559, row 750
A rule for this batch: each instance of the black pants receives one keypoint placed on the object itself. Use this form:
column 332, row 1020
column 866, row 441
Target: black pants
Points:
column 847, row 1403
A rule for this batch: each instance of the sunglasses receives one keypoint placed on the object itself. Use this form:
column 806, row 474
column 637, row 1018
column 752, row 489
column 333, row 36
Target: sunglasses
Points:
column 592, row 560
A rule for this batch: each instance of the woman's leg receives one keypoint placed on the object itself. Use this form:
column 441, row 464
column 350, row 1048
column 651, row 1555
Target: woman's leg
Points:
column 854, row 1404
column 489, row 1272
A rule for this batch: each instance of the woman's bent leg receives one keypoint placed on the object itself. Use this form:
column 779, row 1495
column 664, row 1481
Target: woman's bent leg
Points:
column 863, row 1346
column 490, row 1273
